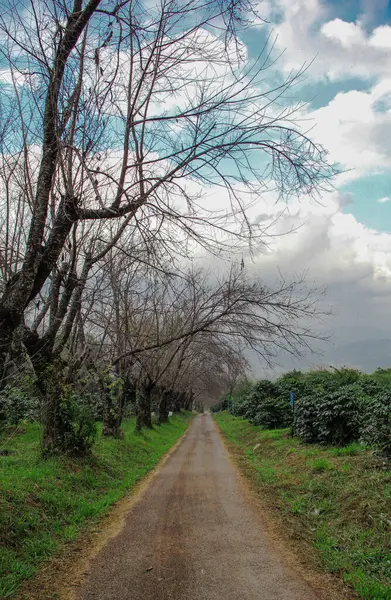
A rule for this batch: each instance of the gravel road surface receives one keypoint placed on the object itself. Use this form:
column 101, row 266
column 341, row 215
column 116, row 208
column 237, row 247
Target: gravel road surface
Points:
column 194, row 535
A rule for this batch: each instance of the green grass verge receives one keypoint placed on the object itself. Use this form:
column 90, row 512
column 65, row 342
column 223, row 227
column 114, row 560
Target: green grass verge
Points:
column 336, row 500
column 46, row 503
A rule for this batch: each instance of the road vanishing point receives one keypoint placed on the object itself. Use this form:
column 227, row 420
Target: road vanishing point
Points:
column 194, row 535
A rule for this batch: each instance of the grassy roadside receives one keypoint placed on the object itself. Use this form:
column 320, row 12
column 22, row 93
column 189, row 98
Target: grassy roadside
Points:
column 336, row 500
column 44, row 504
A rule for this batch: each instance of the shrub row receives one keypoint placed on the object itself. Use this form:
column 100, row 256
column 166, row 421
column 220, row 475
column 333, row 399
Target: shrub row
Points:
column 330, row 407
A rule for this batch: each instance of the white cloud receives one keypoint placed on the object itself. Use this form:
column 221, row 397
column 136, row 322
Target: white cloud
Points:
column 381, row 37
column 355, row 132
column 347, row 34
column 355, row 126
column 307, row 29
column 14, row 78
column 383, row 200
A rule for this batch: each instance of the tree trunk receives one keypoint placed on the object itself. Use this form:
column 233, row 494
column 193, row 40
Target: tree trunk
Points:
column 144, row 400
column 129, row 393
column 56, row 428
column 178, row 402
column 164, row 406
column 52, row 436
column 112, row 423
column 7, row 328
column 113, row 409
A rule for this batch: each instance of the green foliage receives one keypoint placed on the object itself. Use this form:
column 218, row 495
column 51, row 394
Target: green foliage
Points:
column 77, row 426
column 330, row 417
column 370, row 385
column 345, row 376
column 376, row 426
column 18, row 402
column 333, row 406
column 305, row 420
column 339, row 415
column 349, row 414
column 291, row 382
column 257, row 394
column 263, row 406
column 382, row 376
column 234, row 402
column 273, row 413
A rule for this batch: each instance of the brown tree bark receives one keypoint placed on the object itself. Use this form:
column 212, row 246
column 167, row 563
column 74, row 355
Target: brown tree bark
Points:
column 56, row 430
column 164, row 406
column 113, row 408
column 144, row 400
column 39, row 259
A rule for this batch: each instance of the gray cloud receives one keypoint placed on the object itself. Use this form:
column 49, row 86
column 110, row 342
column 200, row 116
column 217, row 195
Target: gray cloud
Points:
column 352, row 262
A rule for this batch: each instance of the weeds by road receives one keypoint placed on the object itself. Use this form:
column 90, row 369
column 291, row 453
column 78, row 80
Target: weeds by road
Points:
column 334, row 500
column 44, row 504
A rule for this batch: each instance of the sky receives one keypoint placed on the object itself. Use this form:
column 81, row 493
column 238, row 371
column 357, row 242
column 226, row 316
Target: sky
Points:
column 344, row 239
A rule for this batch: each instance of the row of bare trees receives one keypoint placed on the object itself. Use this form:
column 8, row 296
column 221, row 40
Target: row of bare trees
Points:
column 118, row 122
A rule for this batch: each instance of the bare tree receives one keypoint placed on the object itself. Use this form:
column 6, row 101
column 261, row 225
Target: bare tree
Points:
column 122, row 113
column 175, row 331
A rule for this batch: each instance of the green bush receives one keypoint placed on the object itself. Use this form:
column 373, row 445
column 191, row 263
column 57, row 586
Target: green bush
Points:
column 273, row 413
column 370, row 385
column 291, row 382
column 305, row 421
column 376, row 424
column 263, row 406
column 18, row 403
column 77, row 422
column 260, row 391
column 335, row 406
column 339, row 415
column 319, row 380
column 234, row 402
column 330, row 417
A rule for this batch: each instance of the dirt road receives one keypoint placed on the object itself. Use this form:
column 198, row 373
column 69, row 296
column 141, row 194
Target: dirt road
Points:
column 193, row 536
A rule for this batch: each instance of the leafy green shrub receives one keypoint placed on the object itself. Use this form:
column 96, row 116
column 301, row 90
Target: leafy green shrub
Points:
column 383, row 376
column 234, row 403
column 320, row 380
column 273, row 413
column 18, row 402
column 376, row 424
column 346, row 376
column 370, row 386
column 291, row 382
column 339, row 415
column 305, row 421
column 332, row 406
column 77, row 422
column 263, row 406
column 330, row 417
column 260, row 391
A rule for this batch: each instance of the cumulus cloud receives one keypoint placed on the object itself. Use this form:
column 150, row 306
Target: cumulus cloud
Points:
column 355, row 125
column 355, row 131
column 308, row 29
